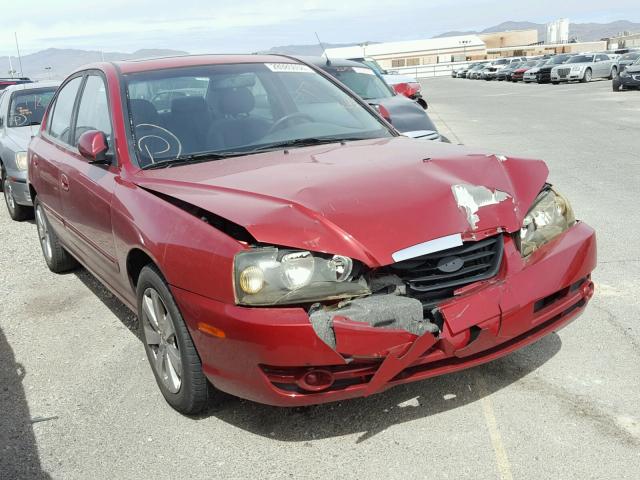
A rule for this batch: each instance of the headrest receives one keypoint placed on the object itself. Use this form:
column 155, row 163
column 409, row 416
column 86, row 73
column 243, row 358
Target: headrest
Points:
column 143, row 111
column 188, row 105
column 235, row 101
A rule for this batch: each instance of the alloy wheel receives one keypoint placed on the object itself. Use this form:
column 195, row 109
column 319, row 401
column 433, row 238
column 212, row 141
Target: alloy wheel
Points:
column 8, row 196
column 160, row 337
column 43, row 233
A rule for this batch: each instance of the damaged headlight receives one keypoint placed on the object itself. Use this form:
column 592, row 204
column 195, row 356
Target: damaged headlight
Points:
column 272, row 276
column 550, row 215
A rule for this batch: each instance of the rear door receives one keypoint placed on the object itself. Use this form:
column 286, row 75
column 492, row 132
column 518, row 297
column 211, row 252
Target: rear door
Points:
column 52, row 148
column 87, row 189
column 604, row 65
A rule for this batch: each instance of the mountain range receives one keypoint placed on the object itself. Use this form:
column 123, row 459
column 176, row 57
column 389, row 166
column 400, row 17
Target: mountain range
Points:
column 64, row 61
column 582, row 32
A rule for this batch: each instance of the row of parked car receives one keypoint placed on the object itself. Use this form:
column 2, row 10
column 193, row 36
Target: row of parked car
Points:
column 622, row 69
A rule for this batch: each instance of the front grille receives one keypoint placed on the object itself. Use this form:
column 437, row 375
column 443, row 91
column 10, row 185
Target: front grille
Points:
column 434, row 277
column 563, row 72
column 544, row 74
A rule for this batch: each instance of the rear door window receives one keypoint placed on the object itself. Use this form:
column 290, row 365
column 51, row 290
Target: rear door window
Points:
column 60, row 123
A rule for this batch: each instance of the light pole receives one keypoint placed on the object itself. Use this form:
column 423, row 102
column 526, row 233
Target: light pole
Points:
column 464, row 44
column 48, row 69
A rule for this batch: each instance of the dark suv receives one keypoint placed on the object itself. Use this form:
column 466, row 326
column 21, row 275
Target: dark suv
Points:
column 544, row 74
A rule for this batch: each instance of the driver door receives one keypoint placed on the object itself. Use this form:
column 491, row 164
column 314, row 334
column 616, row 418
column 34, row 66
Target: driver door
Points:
column 87, row 189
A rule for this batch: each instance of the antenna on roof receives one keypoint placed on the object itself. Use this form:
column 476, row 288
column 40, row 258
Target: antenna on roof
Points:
column 15, row 34
column 324, row 51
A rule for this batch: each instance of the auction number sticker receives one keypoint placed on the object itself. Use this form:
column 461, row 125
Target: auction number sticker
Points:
column 364, row 71
column 288, row 68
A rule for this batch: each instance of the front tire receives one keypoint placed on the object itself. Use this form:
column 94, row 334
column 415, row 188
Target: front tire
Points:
column 615, row 84
column 173, row 357
column 57, row 258
column 588, row 75
column 16, row 211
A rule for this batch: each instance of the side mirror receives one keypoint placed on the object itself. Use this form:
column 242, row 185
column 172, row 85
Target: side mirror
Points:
column 93, row 146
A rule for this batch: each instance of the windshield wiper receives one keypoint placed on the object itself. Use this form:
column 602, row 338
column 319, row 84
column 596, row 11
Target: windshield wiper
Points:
column 302, row 142
column 192, row 158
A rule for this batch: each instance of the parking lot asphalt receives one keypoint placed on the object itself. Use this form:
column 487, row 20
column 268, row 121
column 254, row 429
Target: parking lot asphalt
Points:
column 78, row 399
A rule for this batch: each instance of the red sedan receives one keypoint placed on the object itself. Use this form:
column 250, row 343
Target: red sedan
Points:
column 280, row 241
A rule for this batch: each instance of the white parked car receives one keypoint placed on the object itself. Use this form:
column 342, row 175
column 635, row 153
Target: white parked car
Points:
column 584, row 68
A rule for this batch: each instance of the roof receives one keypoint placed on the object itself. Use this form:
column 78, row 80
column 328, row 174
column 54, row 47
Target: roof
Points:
column 32, row 86
column 134, row 66
column 407, row 47
column 321, row 62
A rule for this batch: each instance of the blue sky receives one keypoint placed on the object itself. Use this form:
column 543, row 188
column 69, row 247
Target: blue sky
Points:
column 246, row 26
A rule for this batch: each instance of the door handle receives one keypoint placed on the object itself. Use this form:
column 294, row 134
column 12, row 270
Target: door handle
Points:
column 64, row 182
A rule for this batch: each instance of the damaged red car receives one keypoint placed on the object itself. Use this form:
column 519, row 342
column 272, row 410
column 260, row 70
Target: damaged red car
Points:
column 280, row 241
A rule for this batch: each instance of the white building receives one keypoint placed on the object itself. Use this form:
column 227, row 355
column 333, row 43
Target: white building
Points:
column 416, row 52
column 558, row 31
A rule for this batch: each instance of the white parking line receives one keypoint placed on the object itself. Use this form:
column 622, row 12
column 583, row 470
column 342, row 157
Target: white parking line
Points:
column 504, row 467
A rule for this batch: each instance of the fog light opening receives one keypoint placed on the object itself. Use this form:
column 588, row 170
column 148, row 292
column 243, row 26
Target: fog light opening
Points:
column 315, row 380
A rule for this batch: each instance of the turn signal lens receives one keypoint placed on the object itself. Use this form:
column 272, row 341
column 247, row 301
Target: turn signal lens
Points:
column 251, row 280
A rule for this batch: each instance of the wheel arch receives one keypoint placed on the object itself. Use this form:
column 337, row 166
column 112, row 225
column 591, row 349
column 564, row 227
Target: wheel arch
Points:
column 136, row 260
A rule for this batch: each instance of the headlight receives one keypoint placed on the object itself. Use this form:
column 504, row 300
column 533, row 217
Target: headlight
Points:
column 550, row 215
column 624, row 73
column 21, row 160
column 576, row 68
column 272, row 276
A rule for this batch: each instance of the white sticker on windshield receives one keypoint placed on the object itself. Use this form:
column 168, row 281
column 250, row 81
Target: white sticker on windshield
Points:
column 288, row 68
column 364, row 71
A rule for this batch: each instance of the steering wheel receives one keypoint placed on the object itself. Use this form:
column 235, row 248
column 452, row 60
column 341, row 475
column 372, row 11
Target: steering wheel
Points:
column 282, row 120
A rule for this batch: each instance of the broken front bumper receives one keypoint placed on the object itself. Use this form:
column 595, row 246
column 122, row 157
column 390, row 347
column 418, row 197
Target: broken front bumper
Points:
column 268, row 354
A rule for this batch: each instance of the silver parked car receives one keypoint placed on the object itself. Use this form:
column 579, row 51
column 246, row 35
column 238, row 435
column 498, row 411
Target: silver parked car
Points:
column 21, row 111
column 584, row 68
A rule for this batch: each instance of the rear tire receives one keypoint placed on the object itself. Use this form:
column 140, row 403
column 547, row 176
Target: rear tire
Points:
column 16, row 211
column 172, row 355
column 614, row 73
column 57, row 258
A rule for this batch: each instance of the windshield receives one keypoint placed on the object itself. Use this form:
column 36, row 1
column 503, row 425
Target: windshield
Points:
column 581, row 59
column 630, row 56
column 28, row 106
column 240, row 108
column 501, row 62
column 558, row 60
column 363, row 81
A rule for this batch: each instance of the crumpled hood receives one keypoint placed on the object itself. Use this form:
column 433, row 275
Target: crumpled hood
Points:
column 365, row 199
column 21, row 136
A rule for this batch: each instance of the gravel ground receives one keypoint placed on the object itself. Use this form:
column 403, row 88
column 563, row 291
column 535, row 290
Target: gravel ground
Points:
column 78, row 400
